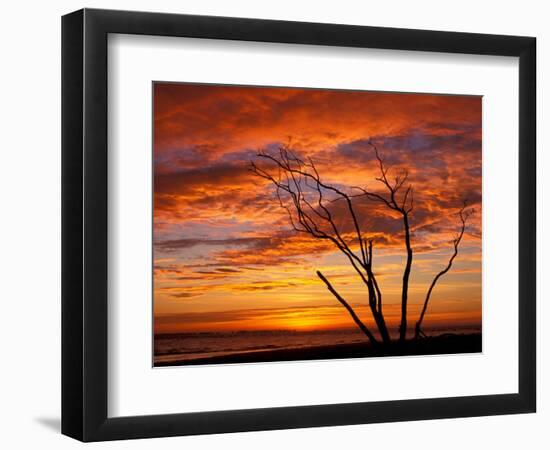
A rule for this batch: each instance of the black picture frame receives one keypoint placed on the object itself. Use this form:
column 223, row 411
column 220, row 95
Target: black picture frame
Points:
column 84, row 224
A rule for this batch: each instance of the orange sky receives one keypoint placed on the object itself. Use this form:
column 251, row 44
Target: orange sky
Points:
column 225, row 255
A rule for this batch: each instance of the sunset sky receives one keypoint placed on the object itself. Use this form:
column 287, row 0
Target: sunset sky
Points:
column 225, row 254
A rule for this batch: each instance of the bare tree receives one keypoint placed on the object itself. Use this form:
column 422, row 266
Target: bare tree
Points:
column 308, row 201
column 309, row 213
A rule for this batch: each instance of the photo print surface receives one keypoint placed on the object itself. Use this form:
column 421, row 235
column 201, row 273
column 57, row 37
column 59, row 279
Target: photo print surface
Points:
column 299, row 224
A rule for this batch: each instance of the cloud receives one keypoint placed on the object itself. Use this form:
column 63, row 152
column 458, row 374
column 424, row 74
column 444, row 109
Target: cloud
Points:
column 223, row 228
column 188, row 243
column 240, row 315
column 197, row 289
column 223, row 119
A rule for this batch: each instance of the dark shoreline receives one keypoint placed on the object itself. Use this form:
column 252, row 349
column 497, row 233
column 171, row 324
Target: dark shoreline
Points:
column 437, row 345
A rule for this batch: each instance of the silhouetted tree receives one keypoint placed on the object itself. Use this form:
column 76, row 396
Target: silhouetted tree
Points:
column 308, row 201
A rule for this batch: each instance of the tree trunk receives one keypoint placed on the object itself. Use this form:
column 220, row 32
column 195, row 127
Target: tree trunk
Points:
column 376, row 307
column 381, row 323
column 406, row 274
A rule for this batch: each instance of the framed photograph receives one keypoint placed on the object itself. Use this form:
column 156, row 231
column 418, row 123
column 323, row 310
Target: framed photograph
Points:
column 273, row 224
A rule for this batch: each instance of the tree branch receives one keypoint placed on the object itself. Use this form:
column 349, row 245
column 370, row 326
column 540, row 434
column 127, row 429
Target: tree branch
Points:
column 350, row 310
column 463, row 215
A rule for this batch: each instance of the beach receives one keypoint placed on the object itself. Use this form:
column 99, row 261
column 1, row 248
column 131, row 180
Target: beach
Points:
column 448, row 343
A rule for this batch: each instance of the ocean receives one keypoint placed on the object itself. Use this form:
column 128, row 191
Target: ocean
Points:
column 189, row 346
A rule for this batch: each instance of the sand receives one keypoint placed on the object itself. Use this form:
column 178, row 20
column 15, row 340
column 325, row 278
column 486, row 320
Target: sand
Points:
column 444, row 344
